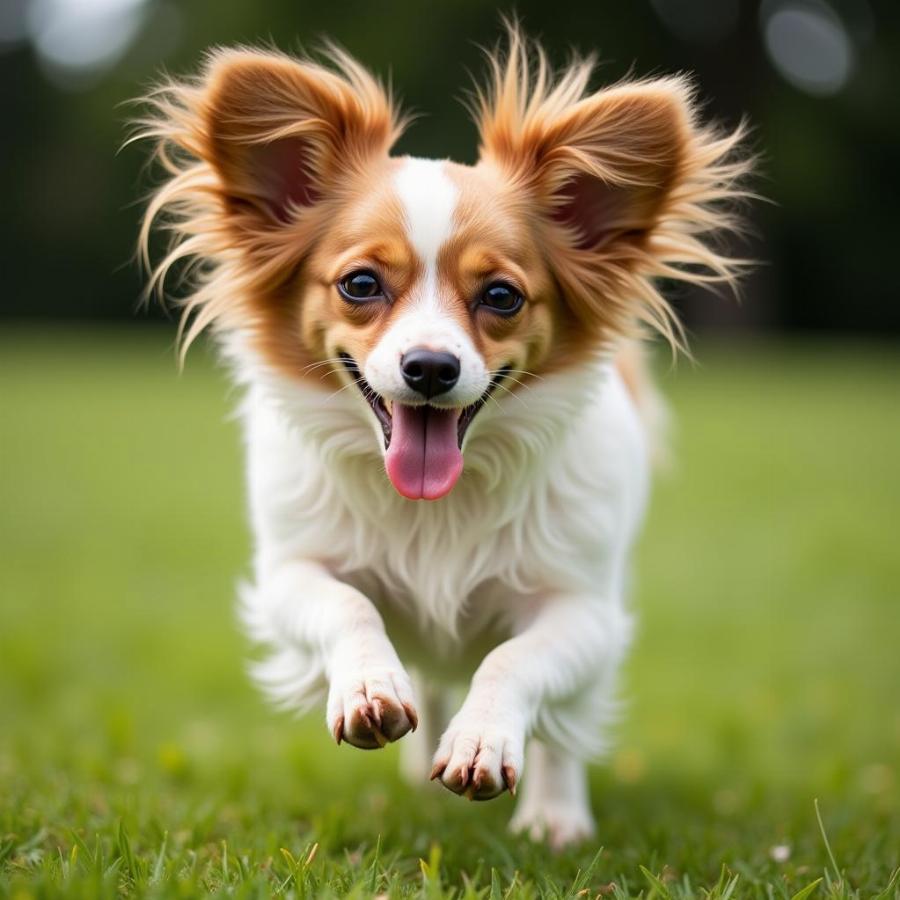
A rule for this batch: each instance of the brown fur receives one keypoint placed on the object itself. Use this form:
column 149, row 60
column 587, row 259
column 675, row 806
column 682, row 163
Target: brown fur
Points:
column 665, row 182
column 280, row 184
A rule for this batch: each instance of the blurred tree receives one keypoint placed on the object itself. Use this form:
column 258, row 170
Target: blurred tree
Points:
column 816, row 79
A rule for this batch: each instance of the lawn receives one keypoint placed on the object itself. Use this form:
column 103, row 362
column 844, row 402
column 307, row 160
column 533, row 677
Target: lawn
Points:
column 137, row 760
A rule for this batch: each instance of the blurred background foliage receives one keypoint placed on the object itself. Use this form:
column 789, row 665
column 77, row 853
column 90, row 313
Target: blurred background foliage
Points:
column 817, row 79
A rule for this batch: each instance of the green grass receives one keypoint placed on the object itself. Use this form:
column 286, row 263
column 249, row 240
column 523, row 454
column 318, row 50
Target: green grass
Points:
column 136, row 759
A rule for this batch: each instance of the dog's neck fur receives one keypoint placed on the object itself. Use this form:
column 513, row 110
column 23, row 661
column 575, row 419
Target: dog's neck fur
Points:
column 315, row 457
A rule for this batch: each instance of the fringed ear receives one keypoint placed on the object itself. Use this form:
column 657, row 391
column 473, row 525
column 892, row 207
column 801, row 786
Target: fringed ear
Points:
column 625, row 182
column 253, row 149
column 615, row 160
column 279, row 131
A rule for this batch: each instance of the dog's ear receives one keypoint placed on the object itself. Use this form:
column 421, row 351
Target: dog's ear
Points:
column 603, row 166
column 623, row 180
column 256, row 149
column 280, row 132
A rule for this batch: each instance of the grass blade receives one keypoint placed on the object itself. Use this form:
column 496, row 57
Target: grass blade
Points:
column 803, row 893
column 834, row 865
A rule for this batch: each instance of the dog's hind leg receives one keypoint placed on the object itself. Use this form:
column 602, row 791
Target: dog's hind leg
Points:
column 417, row 749
column 554, row 802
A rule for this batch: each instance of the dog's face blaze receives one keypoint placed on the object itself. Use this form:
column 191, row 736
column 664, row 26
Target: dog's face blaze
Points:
column 431, row 284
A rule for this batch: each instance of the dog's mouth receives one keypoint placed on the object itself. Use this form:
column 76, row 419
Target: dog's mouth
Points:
column 423, row 443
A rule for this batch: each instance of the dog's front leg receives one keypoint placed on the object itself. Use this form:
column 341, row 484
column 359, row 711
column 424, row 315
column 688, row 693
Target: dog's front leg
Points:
column 566, row 647
column 301, row 605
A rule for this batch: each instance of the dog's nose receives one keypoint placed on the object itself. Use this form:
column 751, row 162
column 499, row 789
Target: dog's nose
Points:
column 429, row 372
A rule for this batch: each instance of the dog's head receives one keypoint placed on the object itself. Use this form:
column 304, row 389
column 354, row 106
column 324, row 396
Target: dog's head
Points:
column 427, row 283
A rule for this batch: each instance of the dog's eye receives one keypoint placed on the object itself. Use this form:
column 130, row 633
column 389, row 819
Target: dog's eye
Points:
column 502, row 298
column 360, row 286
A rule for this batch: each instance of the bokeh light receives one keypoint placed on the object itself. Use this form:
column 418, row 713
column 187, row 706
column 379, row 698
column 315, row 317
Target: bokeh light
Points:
column 13, row 26
column 77, row 39
column 808, row 45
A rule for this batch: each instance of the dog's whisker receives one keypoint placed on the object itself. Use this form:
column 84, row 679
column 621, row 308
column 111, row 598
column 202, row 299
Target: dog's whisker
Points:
column 519, row 372
column 319, row 364
column 503, row 387
column 521, row 384
column 507, row 376
column 492, row 399
column 356, row 381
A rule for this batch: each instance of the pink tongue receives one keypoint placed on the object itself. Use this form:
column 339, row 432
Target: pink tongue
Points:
column 423, row 460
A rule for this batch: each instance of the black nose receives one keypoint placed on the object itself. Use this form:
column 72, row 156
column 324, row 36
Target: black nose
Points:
column 429, row 372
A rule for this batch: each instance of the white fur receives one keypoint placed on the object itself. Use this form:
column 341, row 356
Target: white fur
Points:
column 514, row 582
column 428, row 198
column 554, row 803
column 432, row 329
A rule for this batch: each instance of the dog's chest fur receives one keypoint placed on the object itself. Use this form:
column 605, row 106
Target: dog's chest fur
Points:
column 545, row 499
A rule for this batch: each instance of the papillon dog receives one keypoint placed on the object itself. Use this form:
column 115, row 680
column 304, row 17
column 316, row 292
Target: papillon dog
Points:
column 448, row 423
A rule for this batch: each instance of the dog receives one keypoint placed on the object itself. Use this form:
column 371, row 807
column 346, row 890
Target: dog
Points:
column 448, row 422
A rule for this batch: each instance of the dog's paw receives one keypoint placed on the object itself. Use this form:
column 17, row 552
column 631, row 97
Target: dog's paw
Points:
column 372, row 710
column 554, row 823
column 479, row 760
